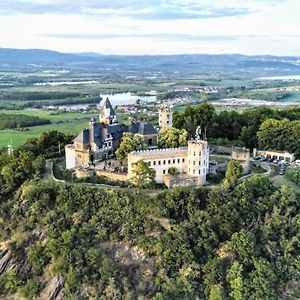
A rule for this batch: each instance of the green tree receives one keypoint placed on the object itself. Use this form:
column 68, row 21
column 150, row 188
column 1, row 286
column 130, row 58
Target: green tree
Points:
column 173, row 171
column 130, row 142
column 235, row 278
column 143, row 175
column 233, row 173
column 216, row 293
column 170, row 137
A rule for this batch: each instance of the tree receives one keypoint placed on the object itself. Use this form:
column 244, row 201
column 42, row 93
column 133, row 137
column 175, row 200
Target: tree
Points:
column 173, row 171
column 235, row 278
column 143, row 174
column 170, row 137
column 216, row 293
column 130, row 142
column 201, row 115
column 280, row 135
column 204, row 117
column 233, row 173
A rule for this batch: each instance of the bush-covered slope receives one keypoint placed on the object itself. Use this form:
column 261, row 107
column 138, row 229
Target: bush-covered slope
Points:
column 221, row 244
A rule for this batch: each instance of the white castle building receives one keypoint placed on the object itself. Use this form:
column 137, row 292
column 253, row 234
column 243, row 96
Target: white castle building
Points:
column 191, row 163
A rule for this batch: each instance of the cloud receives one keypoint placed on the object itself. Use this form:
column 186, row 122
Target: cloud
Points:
column 169, row 37
column 155, row 9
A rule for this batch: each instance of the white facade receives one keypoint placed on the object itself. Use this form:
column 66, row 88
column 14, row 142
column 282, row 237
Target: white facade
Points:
column 70, row 157
column 192, row 160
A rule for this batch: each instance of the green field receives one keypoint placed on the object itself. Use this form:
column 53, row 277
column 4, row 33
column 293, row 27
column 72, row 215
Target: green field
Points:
column 67, row 122
column 71, row 122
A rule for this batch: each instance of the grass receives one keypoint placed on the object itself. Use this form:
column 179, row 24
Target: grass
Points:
column 19, row 137
column 70, row 122
column 50, row 115
column 219, row 158
column 283, row 180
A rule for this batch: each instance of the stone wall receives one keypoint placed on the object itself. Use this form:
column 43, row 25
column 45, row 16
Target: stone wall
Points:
column 112, row 176
column 215, row 149
column 83, row 173
column 180, row 180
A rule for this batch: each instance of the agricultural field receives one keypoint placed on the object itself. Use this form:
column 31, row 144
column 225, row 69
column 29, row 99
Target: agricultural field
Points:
column 71, row 122
column 31, row 92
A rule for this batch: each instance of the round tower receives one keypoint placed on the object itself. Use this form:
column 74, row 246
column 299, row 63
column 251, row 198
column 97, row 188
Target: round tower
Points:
column 165, row 117
column 198, row 160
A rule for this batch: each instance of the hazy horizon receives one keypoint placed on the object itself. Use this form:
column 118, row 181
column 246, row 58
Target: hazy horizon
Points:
column 167, row 54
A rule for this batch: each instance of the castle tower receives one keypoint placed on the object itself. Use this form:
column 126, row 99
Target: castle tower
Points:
column 198, row 160
column 107, row 114
column 165, row 117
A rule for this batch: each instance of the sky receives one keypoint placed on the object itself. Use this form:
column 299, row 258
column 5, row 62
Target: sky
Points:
column 153, row 26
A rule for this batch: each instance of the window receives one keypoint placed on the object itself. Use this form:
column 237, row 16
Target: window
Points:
column 154, row 163
column 183, row 160
column 200, row 163
column 194, row 163
column 149, row 163
column 174, row 161
column 164, row 162
column 159, row 162
column 178, row 160
column 194, row 172
column 194, row 153
column 200, row 153
column 169, row 161
column 164, row 171
column 200, row 172
column 167, row 122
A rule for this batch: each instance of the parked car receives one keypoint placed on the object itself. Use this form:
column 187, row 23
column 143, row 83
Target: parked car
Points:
column 263, row 159
column 257, row 158
column 275, row 161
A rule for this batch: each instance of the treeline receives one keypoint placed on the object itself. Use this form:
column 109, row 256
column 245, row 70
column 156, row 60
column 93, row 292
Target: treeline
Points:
column 28, row 161
column 32, row 96
column 242, row 128
column 223, row 244
column 8, row 121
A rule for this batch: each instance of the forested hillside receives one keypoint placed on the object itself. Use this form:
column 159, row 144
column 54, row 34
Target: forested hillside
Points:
column 238, row 243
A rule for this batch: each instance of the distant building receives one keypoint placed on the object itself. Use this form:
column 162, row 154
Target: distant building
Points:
column 165, row 117
column 192, row 163
column 242, row 155
column 100, row 140
column 273, row 154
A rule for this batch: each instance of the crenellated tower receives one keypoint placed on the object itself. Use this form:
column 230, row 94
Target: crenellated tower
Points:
column 165, row 117
column 198, row 160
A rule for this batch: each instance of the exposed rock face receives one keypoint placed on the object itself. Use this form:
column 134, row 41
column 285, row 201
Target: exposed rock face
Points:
column 5, row 260
column 53, row 289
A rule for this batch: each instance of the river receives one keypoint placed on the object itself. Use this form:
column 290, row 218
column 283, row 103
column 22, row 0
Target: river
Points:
column 115, row 99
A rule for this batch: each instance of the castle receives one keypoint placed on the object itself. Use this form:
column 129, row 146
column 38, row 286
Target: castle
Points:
column 191, row 163
column 99, row 141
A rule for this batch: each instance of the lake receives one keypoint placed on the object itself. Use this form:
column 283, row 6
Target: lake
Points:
column 115, row 99
column 286, row 77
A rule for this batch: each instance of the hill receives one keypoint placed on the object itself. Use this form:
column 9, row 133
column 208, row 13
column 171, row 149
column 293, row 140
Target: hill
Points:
column 14, row 59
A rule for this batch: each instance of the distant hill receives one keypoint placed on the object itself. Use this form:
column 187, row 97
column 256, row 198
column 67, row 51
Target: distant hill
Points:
column 191, row 64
